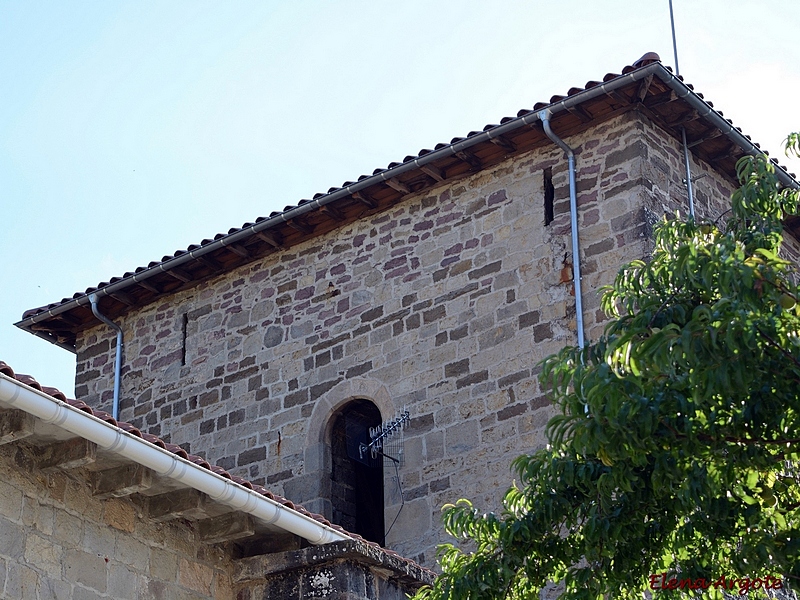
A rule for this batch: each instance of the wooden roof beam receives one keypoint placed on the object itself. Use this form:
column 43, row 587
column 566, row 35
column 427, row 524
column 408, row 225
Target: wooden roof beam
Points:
column 148, row 286
column 727, row 153
column 504, row 143
column 580, row 112
column 273, row 238
column 238, row 249
column 124, row 298
column 684, row 118
column 179, row 274
column 47, row 327
column 210, row 263
column 468, row 157
column 70, row 320
column 398, row 185
column 616, row 95
column 659, row 99
column 300, row 226
column 364, row 199
column 710, row 134
column 644, row 87
column 333, row 212
column 432, row 172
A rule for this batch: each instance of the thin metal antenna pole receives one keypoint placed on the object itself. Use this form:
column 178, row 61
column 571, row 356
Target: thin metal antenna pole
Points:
column 689, row 189
column 674, row 41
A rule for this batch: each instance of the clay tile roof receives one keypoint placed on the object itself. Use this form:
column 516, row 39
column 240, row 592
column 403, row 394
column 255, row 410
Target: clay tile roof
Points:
column 60, row 322
column 55, row 393
column 30, row 381
column 145, row 436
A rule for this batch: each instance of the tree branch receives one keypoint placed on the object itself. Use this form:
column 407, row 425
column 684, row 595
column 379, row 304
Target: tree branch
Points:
column 777, row 346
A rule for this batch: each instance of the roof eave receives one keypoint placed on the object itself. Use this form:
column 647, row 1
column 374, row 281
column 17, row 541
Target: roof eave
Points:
column 682, row 92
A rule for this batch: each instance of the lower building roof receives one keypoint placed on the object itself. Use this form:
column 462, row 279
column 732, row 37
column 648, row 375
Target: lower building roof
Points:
column 52, row 423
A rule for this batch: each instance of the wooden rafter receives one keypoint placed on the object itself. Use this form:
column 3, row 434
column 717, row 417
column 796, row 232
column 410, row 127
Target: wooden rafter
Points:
column 644, row 87
column 469, row 157
column 365, row 199
column 179, row 274
column 148, row 286
column 210, row 263
column 616, row 95
column 333, row 212
column 273, row 238
column 124, row 298
column 398, row 185
column 70, row 320
column 659, row 99
column 727, row 153
column 505, row 143
column 709, row 134
column 238, row 249
column 432, row 172
column 580, row 112
column 684, row 118
column 300, row 226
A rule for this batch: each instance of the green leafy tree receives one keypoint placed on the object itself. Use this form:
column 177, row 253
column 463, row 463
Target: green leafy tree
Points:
column 677, row 443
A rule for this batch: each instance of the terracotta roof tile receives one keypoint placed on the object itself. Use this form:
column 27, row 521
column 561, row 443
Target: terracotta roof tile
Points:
column 30, row 381
column 645, row 60
column 55, row 393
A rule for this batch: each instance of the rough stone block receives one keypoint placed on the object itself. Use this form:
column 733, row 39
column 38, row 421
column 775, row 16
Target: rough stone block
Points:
column 233, row 526
column 87, row 569
column 15, row 425
column 12, row 539
column 69, row 454
column 121, row 481
column 184, row 504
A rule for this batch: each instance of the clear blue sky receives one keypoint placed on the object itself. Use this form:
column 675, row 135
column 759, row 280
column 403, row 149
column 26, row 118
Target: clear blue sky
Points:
column 131, row 129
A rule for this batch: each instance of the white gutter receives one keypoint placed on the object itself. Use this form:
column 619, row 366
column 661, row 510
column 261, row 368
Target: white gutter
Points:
column 165, row 463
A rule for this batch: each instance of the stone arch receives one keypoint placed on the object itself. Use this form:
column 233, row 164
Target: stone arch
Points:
column 317, row 454
column 334, row 399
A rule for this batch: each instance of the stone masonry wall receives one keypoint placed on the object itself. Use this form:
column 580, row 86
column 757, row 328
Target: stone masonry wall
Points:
column 57, row 542
column 443, row 305
column 347, row 570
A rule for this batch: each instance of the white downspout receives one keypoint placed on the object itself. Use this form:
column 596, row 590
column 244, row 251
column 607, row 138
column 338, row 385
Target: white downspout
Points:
column 111, row 438
column 544, row 117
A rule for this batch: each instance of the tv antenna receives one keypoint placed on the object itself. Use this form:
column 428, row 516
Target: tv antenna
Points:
column 386, row 440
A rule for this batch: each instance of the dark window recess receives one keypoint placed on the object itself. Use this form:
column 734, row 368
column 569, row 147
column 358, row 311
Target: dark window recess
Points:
column 549, row 196
column 184, row 325
column 356, row 481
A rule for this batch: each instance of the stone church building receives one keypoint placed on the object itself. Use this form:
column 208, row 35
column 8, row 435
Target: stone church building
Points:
column 419, row 298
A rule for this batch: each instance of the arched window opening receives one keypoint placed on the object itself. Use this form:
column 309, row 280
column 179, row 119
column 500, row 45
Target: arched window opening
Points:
column 356, row 478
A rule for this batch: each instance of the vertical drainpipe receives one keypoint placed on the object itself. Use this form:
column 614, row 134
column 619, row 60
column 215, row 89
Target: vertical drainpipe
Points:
column 118, row 358
column 544, row 117
column 688, row 168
